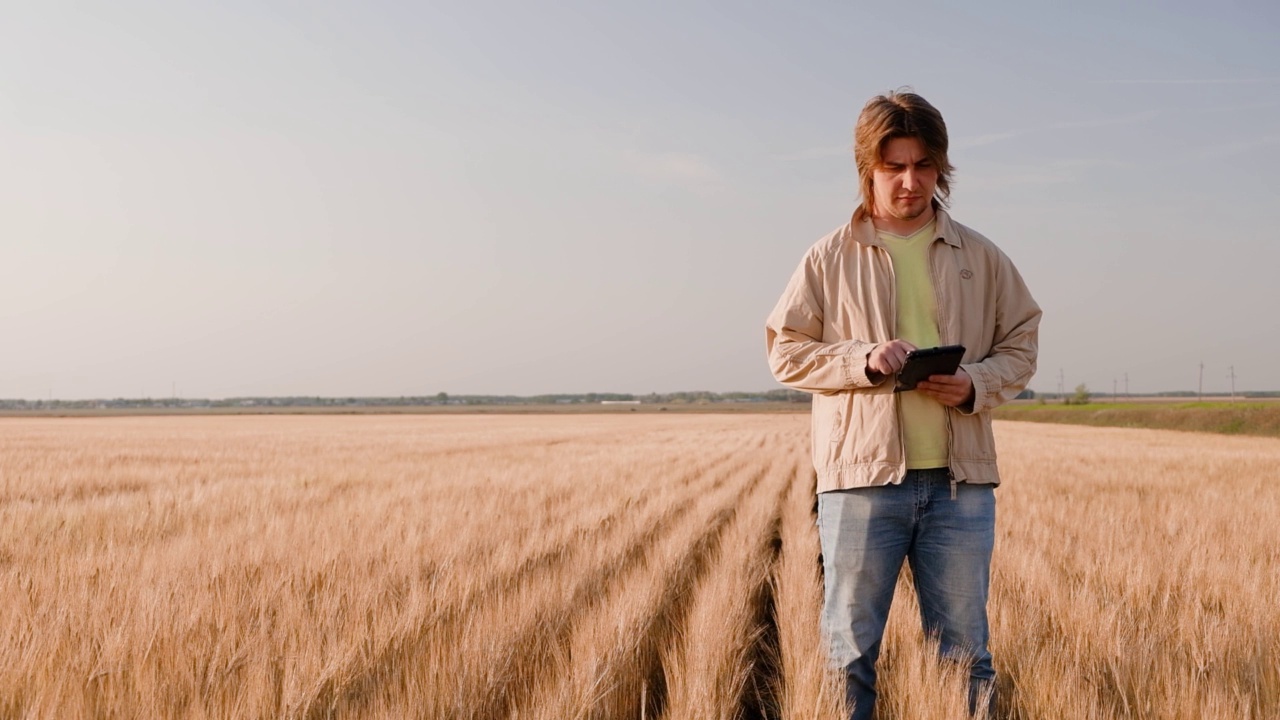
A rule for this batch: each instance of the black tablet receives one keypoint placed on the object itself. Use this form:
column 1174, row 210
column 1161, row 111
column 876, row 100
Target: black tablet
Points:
column 924, row 362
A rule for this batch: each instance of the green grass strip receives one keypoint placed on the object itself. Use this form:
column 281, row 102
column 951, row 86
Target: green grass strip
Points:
column 1241, row 418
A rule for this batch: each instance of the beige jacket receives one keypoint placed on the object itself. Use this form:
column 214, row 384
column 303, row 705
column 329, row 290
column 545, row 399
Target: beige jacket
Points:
column 840, row 303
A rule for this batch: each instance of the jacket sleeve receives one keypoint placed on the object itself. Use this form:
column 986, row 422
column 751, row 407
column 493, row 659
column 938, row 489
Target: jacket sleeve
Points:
column 798, row 355
column 1008, row 368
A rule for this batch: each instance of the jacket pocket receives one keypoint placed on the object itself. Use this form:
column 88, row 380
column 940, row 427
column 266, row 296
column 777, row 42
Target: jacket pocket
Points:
column 837, row 426
column 974, row 440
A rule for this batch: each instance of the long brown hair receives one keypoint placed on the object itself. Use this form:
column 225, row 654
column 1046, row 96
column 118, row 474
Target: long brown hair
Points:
column 894, row 115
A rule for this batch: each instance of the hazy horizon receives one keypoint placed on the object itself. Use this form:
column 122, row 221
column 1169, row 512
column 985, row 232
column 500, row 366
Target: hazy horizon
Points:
column 230, row 200
column 1096, row 393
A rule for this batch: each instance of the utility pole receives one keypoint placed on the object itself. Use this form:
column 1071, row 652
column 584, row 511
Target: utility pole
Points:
column 1062, row 386
column 1113, row 389
column 1126, row 386
column 1200, row 389
column 1232, row 374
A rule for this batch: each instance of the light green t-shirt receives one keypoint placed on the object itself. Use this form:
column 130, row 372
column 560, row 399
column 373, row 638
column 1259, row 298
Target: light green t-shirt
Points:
column 924, row 420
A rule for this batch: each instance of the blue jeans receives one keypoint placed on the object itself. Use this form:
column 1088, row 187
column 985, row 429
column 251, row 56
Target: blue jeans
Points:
column 866, row 534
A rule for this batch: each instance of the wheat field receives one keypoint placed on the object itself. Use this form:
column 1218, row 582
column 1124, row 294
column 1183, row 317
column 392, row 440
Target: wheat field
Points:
column 608, row 566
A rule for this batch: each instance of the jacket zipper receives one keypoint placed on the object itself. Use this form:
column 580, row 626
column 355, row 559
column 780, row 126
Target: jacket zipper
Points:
column 942, row 340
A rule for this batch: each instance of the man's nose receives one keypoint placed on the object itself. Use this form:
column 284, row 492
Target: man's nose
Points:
column 910, row 181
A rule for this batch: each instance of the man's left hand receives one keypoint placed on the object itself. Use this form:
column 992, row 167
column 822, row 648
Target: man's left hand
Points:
column 950, row 390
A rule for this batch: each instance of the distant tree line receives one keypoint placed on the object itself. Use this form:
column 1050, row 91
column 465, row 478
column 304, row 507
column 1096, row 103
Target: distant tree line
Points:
column 1081, row 395
column 440, row 398
column 671, row 398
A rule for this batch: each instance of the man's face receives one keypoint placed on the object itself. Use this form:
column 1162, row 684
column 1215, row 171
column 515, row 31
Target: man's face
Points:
column 903, row 183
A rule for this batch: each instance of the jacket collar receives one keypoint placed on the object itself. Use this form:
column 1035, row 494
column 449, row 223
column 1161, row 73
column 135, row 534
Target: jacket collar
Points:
column 864, row 231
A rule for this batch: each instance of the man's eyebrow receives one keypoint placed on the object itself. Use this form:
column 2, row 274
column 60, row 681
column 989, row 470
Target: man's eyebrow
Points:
column 894, row 164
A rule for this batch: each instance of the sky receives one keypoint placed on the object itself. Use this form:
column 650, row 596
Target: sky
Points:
column 267, row 199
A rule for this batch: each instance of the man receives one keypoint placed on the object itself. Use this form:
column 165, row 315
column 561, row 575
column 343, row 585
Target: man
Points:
column 908, row 475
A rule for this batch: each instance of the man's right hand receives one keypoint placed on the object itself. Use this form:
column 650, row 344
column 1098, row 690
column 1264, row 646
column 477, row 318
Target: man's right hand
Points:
column 888, row 358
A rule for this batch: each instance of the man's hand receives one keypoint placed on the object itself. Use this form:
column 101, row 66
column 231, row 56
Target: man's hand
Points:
column 950, row 390
column 888, row 358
